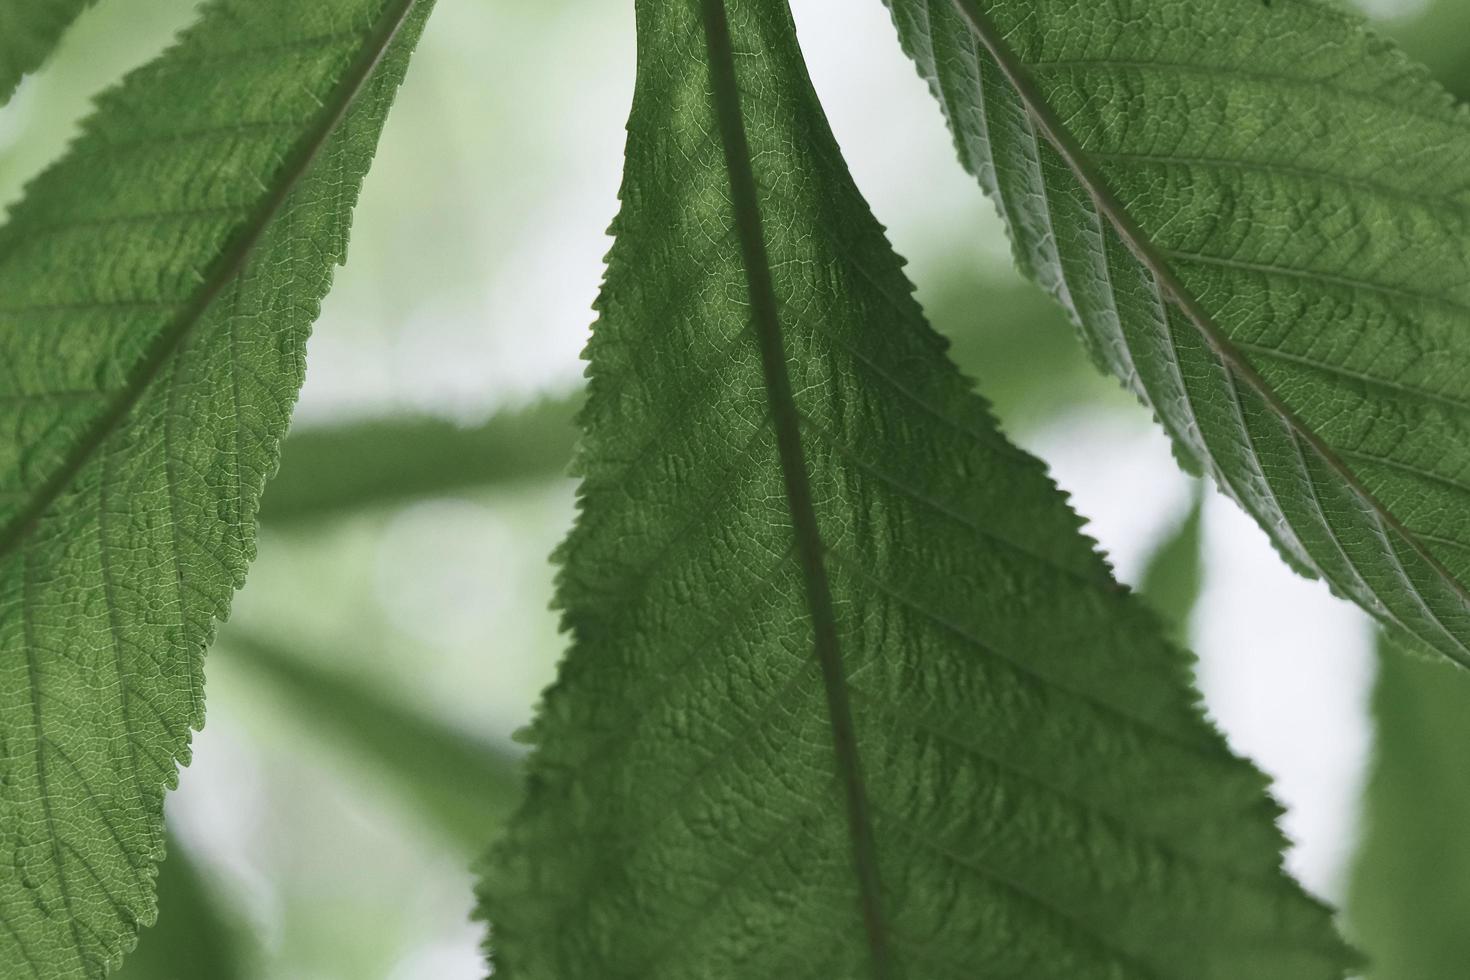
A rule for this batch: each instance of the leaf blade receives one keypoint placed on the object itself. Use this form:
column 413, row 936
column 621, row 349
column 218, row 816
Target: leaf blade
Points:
column 1169, row 239
column 159, row 284
column 686, row 812
column 461, row 784
column 384, row 462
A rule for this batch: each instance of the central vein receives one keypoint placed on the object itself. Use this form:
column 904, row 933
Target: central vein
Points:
column 786, row 421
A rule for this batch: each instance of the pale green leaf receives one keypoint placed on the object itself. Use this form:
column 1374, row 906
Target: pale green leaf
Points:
column 390, row 461
column 29, row 31
column 849, row 694
column 462, row 785
column 1021, row 347
column 1411, row 876
column 1260, row 217
column 158, row 285
column 1171, row 581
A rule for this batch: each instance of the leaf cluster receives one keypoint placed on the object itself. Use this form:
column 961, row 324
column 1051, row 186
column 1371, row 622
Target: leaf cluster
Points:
column 848, row 693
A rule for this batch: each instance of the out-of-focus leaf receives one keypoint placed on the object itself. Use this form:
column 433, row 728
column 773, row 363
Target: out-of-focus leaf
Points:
column 157, row 286
column 196, row 936
column 373, row 464
column 1171, row 580
column 464, row 785
column 109, row 41
column 1409, row 901
column 29, row 31
column 1019, row 347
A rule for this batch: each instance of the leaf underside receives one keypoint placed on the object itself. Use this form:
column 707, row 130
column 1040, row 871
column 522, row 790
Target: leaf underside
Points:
column 29, row 32
column 158, row 286
column 1171, row 581
column 1258, row 215
column 1041, row 796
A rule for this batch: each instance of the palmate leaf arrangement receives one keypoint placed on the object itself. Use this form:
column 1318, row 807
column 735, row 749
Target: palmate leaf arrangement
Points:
column 849, row 694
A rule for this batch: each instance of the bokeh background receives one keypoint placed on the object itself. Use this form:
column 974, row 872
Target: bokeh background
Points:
column 395, row 631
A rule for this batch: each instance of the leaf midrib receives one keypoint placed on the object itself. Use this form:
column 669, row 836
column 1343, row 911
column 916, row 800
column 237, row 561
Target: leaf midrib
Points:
column 786, row 421
column 226, row 269
column 1108, row 204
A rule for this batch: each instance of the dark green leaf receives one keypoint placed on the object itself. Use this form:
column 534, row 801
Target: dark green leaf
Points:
column 158, row 283
column 849, row 695
column 1258, row 214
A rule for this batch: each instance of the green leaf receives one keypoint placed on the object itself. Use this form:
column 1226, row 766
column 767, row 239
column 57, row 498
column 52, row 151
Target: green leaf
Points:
column 384, row 462
column 1171, row 581
column 849, row 695
column 1435, row 35
column 1021, row 347
column 196, row 936
column 1258, row 215
column 462, row 785
column 159, row 283
column 29, row 32
column 1411, row 876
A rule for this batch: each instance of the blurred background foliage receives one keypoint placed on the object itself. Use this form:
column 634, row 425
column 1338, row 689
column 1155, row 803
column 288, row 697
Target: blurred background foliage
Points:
column 396, row 630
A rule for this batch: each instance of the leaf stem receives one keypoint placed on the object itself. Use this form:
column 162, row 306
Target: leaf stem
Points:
column 786, row 421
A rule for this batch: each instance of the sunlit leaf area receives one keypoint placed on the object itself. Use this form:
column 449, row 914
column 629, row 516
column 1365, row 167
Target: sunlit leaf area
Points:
column 361, row 751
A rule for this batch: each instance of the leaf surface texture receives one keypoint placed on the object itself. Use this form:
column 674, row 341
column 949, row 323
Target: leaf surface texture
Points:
column 158, row 286
column 1029, row 789
column 1257, row 213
